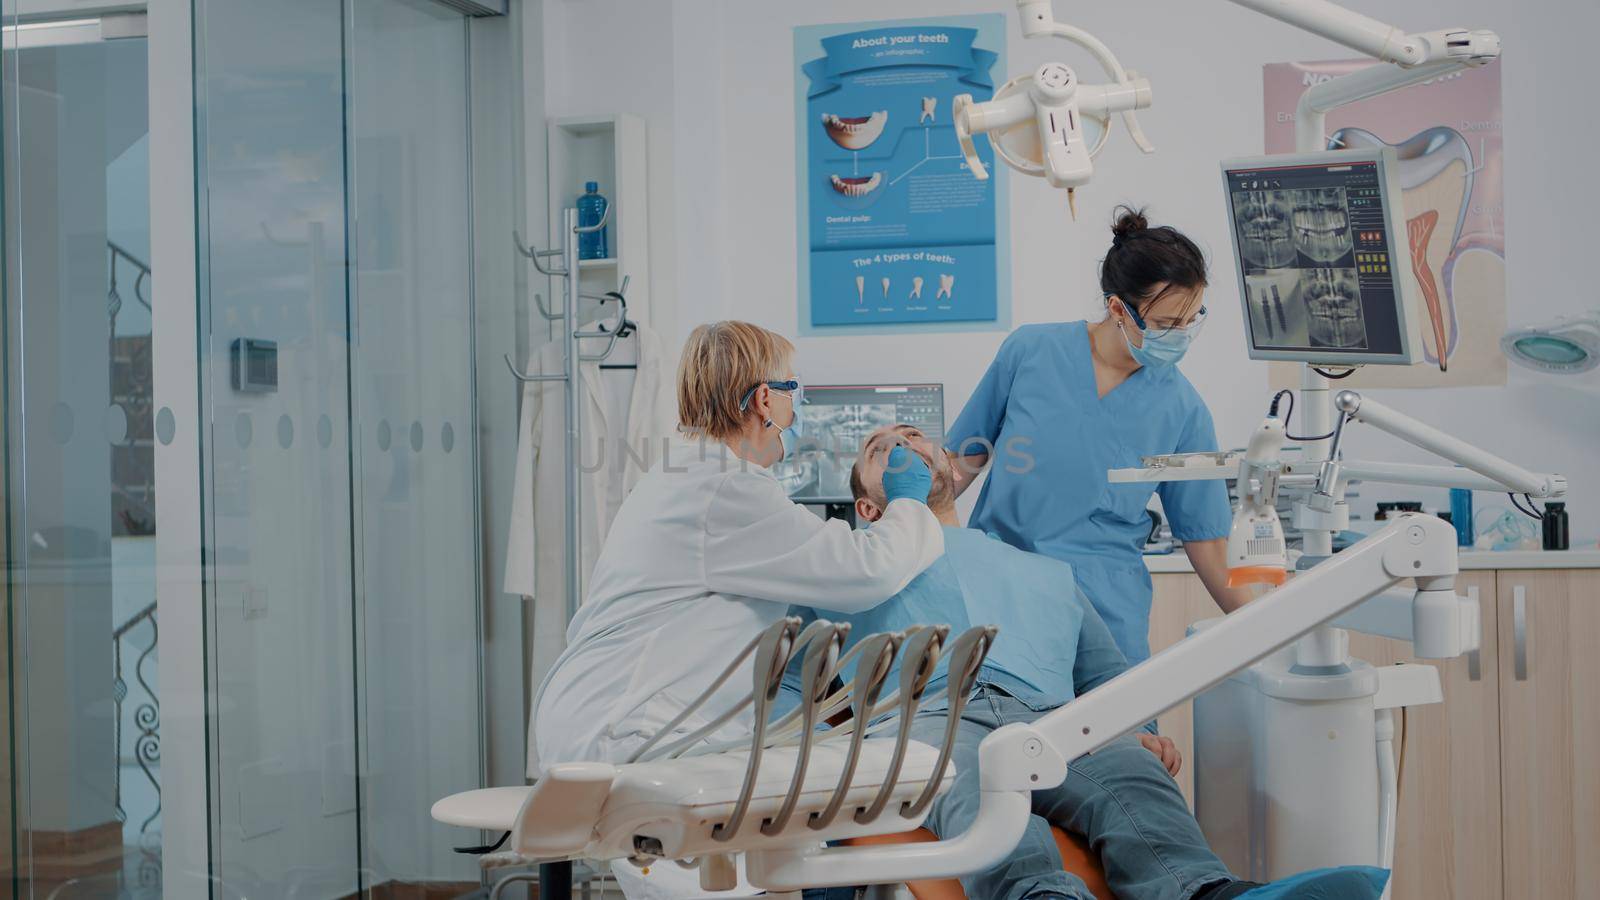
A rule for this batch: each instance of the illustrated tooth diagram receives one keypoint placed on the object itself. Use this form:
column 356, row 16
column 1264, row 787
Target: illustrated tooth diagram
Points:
column 861, row 289
column 856, row 185
column 885, row 288
column 1436, row 173
column 946, row 284
column 855, row 132
column 916, row 287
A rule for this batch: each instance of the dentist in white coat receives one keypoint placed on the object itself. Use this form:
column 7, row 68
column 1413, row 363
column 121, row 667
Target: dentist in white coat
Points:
column 708, row 550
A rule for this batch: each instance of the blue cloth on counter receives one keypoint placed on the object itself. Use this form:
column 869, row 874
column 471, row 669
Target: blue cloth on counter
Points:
column 1054, row 437
column 1342, row 883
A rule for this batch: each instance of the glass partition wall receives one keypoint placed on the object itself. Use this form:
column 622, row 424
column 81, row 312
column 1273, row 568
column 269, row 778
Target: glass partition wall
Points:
column 325, row 480
column 83, row 699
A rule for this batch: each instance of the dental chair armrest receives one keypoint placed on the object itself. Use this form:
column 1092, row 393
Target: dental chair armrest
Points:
column 1002, row 818
column 557, row 820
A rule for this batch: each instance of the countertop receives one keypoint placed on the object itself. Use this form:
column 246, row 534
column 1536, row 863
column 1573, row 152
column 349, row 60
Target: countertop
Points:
column 1177, row 561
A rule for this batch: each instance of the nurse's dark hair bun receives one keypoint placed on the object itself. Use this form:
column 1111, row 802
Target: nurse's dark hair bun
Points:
column 1129, row 223
column 1142, row 258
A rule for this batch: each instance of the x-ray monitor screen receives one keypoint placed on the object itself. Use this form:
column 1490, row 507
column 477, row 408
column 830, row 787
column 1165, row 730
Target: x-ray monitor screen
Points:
column 1320, row 242
column 839, row 419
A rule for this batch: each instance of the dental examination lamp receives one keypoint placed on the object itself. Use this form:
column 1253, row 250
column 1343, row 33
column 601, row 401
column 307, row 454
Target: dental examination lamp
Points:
column 1569, row 345
column 1036, row 123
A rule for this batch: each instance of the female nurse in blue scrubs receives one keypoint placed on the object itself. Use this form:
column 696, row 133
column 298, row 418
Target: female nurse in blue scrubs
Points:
column 1062, row 403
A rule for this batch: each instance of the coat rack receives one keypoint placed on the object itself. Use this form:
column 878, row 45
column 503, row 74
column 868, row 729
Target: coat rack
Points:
column 612, row 332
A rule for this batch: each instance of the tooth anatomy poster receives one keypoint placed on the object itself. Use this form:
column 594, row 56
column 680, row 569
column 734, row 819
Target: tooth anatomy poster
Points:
column 896, row 232
column 1447, row 136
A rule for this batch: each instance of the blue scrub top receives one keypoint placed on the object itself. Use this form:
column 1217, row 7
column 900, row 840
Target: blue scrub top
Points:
column 1053, row 439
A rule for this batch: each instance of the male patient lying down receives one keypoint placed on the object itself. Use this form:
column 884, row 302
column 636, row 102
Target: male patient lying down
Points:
column 1051, row 647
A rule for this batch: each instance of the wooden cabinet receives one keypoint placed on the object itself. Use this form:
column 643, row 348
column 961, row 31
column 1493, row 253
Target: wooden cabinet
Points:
column 1499, row 785
column 1549, row 630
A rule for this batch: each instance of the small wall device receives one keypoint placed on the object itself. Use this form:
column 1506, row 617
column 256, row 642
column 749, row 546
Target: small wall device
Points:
column 255, row 365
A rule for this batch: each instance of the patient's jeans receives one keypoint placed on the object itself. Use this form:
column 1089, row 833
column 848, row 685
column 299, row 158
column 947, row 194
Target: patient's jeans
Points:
column 1119, row 798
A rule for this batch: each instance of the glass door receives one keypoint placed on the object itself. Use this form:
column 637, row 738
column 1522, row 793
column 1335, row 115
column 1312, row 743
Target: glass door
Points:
column 336, row 299
column 413, row 399
column 82, row 704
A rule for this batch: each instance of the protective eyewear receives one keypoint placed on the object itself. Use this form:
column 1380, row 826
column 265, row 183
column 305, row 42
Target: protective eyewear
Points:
column 1162, row 329
column 793, row 388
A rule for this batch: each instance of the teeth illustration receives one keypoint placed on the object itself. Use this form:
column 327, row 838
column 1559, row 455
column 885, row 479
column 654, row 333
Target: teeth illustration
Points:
column 885, row 288
column 1436, row 175
column 861, row 289
column 855, row 132
column 916, row 287
column 856, row 185
column 946, row 283
column 929, row 104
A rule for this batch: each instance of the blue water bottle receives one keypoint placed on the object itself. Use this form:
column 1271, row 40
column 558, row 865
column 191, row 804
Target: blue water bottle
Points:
column 591, row 210
column 1461, row 516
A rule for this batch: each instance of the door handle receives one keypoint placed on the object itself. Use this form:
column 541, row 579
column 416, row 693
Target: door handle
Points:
column 1474, row 665
column 1519, row 632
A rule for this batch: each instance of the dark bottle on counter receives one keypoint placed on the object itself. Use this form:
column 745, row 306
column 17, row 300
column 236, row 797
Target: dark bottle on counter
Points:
column 1554, row 525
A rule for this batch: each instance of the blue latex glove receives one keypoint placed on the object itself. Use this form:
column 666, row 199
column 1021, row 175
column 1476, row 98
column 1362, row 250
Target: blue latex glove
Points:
column 906, row 477
column 1343, row 883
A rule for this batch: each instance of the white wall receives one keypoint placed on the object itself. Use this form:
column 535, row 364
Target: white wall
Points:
column 715, row 78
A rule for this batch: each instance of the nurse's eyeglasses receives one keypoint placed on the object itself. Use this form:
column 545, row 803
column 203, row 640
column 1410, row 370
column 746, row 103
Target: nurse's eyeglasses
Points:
column 793, row 388
column 1162, row 328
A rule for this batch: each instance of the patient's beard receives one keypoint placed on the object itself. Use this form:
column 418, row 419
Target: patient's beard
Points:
column 942, row 496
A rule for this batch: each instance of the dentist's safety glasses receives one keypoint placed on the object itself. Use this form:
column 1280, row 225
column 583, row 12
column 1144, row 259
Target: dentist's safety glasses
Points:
column 792, row 387
column 1161, row 330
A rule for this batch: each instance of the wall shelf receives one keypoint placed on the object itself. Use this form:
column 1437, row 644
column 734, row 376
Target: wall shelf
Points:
column 613, row 151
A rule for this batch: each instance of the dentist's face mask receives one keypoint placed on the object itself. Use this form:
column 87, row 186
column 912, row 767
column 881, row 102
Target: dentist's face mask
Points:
column 790, row 436
column 1164, row 342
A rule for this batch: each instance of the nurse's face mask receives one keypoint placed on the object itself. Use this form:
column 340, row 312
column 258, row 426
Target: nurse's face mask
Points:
column 1165, row 338
column 792, row 433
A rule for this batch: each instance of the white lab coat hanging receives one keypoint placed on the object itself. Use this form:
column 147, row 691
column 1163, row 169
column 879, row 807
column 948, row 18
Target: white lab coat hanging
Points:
column 536, row 542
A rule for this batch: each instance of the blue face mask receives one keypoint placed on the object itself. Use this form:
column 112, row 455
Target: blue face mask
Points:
column 791, row 436
column 1163, row 349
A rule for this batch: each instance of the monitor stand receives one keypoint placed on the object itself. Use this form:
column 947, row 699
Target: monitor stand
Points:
column 844, row 511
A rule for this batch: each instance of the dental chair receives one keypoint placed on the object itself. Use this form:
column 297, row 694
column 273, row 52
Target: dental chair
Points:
column 677, row 803
column 682, row 799
column 791, row 793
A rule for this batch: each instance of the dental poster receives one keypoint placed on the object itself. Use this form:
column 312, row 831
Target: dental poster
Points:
column 895, row 231
column 1447, row 135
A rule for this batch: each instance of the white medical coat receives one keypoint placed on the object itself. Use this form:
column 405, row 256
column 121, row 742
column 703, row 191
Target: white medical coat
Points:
column 706, row 553
column 536, row 544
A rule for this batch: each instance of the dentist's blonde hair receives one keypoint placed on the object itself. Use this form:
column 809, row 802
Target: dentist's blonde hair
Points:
column 721, row 362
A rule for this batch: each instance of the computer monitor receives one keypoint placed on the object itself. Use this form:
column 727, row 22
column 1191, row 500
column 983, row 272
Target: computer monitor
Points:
column 839, row 418
column 1320, row 240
